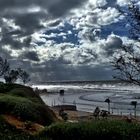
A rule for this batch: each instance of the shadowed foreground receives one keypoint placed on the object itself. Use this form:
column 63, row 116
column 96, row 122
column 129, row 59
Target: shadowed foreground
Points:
column 24, row 116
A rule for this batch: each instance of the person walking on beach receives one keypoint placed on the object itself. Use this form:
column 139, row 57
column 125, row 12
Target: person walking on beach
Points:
column 96, row 112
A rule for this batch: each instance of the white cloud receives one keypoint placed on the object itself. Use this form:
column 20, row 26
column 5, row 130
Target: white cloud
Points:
column 97, row 3
column 89, row 20
column 95, row 17
column 89, row 53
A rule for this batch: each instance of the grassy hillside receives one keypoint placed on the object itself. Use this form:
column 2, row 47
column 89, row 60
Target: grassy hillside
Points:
column 26, row 108
column 22, row 102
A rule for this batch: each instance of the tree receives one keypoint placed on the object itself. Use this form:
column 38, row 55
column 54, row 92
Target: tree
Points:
column 134, row 20
column 4, row 66
column 23, row 75
column 127, row 64
column 11, row 76
column 127, row 61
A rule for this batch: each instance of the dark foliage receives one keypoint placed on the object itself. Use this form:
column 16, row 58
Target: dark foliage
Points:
column 134, row 20
column 8, row 132
column 110, row 130
column 127, row 62
column 4, row 66
column 11, row 75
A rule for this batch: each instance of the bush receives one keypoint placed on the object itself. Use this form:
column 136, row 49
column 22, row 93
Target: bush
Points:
column 110, row 130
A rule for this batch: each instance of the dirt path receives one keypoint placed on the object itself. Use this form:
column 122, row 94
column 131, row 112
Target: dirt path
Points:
column 28, row 127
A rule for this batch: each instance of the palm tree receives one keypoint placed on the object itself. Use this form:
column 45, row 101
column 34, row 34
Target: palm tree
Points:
column 134, row 103
column 108, row 101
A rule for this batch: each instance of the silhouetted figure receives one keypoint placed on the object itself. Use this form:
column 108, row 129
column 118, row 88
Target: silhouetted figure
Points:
column 108, row 102
column 63, row 114
column 96, row 112
column 134, row 103
column 104, row 113
column 61, row 92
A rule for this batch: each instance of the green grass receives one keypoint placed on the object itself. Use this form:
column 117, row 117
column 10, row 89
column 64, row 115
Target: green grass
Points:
column 26, row 92
column 109, row 130
column 8, row 87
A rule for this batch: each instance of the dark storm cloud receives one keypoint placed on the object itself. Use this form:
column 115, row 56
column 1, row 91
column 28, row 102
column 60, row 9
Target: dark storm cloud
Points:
column 60, row 7
column 111, row 3
column 54, row 8
column 8, row 40
column 59, row 71
column 11, row 37
column 28, row 15
column 31, row 55
column 113, row 43
column 20, row 63
column 29, row 22
column 5, row 53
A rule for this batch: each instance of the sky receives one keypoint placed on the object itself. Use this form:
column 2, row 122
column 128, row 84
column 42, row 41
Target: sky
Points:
column 63, row 39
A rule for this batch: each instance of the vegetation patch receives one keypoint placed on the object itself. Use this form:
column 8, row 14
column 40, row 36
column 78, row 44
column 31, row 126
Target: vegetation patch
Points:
column 25, row 109
column 9, row 132
column 110, row 130
column 26, row 92
column 24, row 103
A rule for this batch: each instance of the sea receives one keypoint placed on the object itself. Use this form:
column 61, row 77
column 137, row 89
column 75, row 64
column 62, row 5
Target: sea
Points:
column 87, row 95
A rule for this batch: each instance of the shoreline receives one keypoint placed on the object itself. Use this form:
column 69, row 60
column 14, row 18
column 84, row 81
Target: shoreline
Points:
column 85, row 101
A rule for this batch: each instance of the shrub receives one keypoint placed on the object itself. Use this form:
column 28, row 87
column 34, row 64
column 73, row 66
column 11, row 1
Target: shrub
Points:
column 111, row 130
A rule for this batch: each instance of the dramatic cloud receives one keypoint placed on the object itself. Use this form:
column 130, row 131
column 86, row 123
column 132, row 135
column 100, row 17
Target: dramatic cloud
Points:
column 62, row 39
column 28, row 17
column 54, row 7
column 31, row 55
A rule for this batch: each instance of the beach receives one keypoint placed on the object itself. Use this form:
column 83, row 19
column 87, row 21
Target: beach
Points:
column 82, row 116
column 87, row 96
